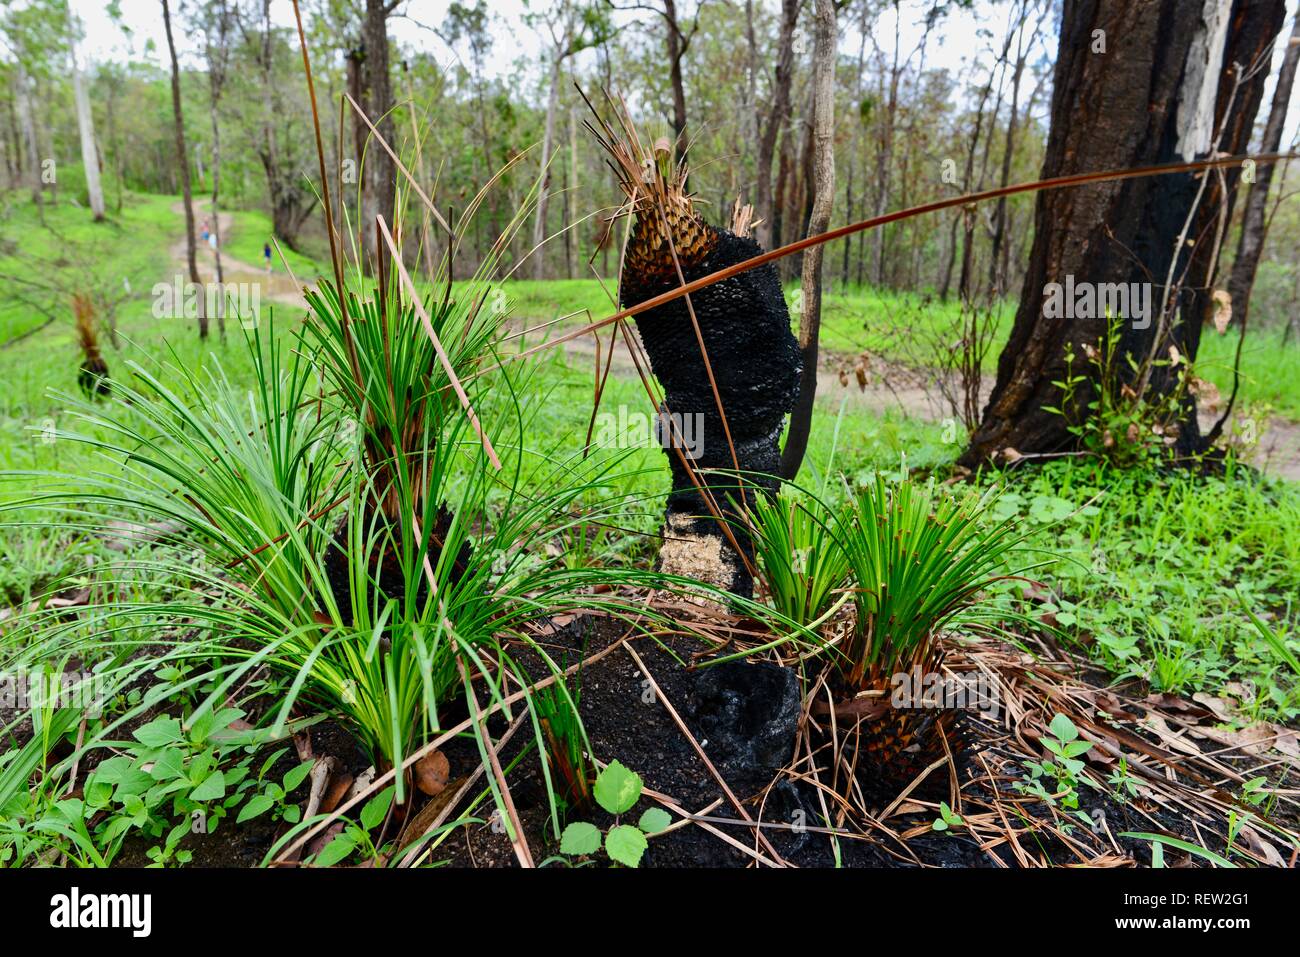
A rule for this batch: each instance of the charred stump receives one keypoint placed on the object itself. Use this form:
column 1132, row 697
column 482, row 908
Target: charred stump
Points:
column 752, row 360
column 755, row 362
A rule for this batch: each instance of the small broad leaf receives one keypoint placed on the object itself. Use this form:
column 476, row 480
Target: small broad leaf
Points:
column 617, row 788
column 159, row 732
column 376, row 808
column 625, row 844
column 213, row 787
column 256, row 805
column 1076, row 748
column 296, row 775
column 939, row 825
column 98, row 793
column 169, row 765
column 335, row 851
column 580, row 838
column 1063, row 728
column 654, row 820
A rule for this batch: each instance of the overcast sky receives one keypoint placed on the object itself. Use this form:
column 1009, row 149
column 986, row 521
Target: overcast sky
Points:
column 104, row 40
column 957, row 37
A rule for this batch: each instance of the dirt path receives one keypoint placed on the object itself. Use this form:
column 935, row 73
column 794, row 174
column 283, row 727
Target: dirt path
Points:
column 894, row 388
column 902, row 389
column 275, row 286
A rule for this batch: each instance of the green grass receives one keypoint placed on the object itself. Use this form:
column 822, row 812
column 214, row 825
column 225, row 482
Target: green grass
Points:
column 1269, row 370
column 909, row 328
column 250, row 230
column 1175, row 549
column 74, row 250
column 1151, row 571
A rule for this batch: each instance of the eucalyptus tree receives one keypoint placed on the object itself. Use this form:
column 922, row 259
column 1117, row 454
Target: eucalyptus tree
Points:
column 1135, row 85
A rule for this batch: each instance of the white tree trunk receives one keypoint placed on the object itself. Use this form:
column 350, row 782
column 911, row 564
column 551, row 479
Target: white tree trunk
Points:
column 548, row 147
column 86, row 127
column 29, row 135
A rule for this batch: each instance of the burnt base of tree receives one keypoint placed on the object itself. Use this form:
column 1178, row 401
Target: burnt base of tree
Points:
column 756, row 365
column 749, row 714
column 627, row 724
column 92, row 378
column 386, row 568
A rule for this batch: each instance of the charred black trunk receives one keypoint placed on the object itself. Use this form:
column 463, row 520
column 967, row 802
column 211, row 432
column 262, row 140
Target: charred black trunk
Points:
column 92, row 377
column 1136, row 84
column 387, row 577
column 755, row 361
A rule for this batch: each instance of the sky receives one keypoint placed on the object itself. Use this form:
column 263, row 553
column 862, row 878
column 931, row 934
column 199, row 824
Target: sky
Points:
column 957, row 38
column 104, row 40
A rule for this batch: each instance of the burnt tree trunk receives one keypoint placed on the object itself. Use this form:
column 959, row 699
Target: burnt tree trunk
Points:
column 1166, row 80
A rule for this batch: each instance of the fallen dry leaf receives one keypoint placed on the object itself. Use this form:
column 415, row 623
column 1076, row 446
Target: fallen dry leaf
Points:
column 432, row 773
column 1222, row 310
column 339, row 788
column 1255, row 739
column 1222, row 709
column 1167, row 735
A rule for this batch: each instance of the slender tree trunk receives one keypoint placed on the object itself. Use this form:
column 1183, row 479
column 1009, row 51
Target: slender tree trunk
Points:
column 86, row 129
column 1254, row 226
column 676, row 52
column 379, row 186
column 885, row 156
column 182, row 163
column 217, row 60
column 766, row 204
column 29, row 136
column 997, row 255
column 571, row 245
column 13, row 143
column 823, row 186
column 548, row 148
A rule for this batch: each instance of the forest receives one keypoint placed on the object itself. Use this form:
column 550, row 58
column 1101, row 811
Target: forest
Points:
column 650, row 434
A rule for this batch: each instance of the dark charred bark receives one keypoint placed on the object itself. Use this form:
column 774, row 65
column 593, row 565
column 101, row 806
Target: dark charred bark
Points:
column 1132, row 105
column 755, row 361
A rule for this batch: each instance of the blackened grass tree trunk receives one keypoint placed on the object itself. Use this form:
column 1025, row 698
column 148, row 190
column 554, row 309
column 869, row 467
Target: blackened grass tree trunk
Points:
column 810, row 294
column 183, row 164
column 1135, row 84
column 725, row 356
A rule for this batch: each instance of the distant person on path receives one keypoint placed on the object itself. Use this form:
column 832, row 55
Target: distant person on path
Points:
column 266, row 255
